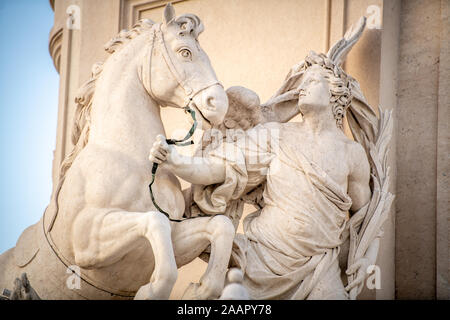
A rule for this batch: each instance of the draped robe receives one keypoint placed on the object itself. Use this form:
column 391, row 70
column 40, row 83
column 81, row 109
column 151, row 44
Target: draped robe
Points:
column 290, row 247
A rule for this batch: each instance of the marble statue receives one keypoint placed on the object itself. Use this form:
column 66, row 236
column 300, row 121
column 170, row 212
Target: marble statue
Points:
column 101, row 224
column 316, row 191
column 315, row 188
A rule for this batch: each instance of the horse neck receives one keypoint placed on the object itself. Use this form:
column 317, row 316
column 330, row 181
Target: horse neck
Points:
column 124, row 117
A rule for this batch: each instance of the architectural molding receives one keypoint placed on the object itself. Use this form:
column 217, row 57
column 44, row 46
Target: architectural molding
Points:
column 132, row 10
column 54, row 46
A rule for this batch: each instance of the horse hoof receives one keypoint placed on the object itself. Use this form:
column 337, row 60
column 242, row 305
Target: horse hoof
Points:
column 196, row 291
column 145, row 293
column 23, row 290
column 191, row 293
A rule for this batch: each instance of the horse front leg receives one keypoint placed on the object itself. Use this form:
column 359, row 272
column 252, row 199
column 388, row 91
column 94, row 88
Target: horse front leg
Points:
column 165, row 273
column 190, row 238
column 116, row 233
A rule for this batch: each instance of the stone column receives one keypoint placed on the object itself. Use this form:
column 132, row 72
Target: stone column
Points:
column 443, row 163
column 80, row 29
column 388, row 101
column 422, row 228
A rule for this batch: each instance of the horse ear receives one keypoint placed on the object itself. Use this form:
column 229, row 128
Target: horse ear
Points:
column 169, row 14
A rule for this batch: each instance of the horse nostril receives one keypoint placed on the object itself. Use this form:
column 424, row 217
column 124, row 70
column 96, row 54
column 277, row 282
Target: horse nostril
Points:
column 209, row 102
column 214, row 104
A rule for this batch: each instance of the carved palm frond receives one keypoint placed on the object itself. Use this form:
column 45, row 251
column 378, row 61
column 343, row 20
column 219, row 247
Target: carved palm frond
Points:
column 339, row 51
column 366, row 224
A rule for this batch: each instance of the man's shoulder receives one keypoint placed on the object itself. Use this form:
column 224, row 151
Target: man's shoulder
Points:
column 266, row 127
column 349, row 146
column 355, row 148
column 270, row 125
column 357, row 157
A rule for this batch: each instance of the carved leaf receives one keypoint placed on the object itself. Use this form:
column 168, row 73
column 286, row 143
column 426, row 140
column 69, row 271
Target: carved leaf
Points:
column 339, row 51
column 364, row 231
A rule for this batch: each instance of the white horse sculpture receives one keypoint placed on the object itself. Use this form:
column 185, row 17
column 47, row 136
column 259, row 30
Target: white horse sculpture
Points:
column 101, row 221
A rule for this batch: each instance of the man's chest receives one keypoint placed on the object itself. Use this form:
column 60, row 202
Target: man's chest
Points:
column 327, row 155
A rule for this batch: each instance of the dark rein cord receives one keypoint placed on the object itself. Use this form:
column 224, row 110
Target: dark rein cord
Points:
column 181, row 143
column 190, row 93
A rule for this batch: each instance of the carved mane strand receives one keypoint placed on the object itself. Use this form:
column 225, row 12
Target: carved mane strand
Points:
column 81, row 125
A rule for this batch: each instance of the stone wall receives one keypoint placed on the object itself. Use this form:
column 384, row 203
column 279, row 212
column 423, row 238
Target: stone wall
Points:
column 422, row 226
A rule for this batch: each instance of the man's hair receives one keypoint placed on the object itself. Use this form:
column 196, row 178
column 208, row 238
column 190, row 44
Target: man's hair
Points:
column 338, row 83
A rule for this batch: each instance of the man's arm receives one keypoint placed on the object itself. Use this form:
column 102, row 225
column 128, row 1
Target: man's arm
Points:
column 280, row 112
column 359, row 192
column 196, row 170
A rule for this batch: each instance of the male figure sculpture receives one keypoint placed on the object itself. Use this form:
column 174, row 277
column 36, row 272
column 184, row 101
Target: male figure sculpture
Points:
column 313, row 176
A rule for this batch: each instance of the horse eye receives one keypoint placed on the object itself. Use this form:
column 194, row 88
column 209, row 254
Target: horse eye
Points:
column 185, row 53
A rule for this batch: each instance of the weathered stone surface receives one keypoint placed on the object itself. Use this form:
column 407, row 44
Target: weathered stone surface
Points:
column 417, row 112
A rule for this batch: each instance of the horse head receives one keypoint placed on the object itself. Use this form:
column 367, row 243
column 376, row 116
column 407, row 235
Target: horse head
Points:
column 177, row 72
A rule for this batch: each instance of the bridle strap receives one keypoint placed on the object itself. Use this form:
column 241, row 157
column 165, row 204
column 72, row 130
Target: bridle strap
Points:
column 145, row 75
column 190, row 94
column 147, row 68
column 182, row 142
column 171, row 65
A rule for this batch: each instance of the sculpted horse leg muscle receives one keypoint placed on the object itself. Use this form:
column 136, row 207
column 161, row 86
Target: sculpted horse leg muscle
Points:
column 101, row 217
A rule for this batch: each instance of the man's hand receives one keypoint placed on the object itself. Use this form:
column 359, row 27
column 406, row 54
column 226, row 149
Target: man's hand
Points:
column 359, row 268
column 197, row 170
column 161, row 152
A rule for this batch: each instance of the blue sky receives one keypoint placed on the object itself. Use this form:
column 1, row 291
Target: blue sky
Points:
column 28, row 107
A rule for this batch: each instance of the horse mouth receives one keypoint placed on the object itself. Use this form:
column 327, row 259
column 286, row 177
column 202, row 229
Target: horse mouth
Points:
column 199, row 113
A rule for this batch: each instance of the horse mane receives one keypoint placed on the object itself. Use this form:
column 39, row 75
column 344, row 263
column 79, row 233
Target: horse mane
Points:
column 190, row 24
column 80, row 132
column 83, row 99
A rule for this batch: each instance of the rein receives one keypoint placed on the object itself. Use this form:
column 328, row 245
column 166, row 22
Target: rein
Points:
column 144, row 74
column 190, row 93
column 182, row 142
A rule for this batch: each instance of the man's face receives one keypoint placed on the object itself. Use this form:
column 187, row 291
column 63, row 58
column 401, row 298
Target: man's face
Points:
column 314, row 91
